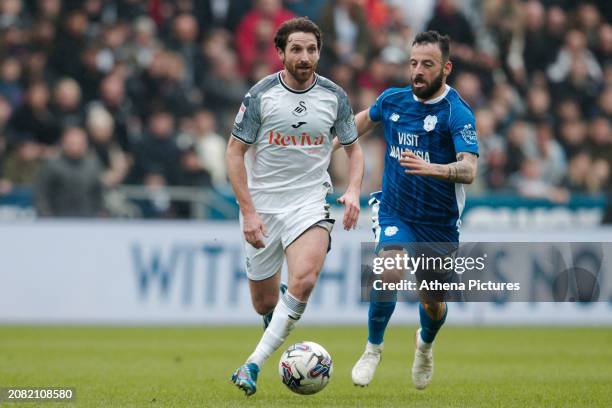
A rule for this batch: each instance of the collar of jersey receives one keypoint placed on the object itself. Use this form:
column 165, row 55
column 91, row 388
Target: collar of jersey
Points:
column 280, row 78
column 435, row 100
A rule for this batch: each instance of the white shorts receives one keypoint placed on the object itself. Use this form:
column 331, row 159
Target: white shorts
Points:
column 283, row 228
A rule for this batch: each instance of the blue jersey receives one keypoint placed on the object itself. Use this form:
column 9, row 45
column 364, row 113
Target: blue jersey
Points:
column 435, row 131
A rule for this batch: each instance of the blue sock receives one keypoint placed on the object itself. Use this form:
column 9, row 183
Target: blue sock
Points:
column 430, row 327
column 382, row 305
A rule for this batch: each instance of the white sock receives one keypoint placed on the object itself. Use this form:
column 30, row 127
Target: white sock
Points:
column 287, row 311
column 422, row 344
column 374, row 348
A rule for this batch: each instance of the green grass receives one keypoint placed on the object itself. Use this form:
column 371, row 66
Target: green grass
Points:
column 190, row 367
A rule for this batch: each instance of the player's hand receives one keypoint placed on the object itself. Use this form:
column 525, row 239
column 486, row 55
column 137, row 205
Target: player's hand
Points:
column 350, row 200
column 416, row 165
column 254, row 230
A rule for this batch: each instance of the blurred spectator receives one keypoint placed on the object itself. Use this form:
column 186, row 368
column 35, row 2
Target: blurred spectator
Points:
column 575, row 49
column 448, row 19
column 529, row 183
column 255, row 35
column 10, row 88
column 550, row 155
column 69, row 44
column 604, row 103
column 469, row 87
column 225, row 14
column 100, row 126
column 69, row 185
column 345, row 34
column 210, row 147
column 588, row 21
column 48, row 10
column 22, row 165
column 538, row 105
column 185, row 32
column 67, row 103
column 578, row 170
column 538, row 49
column 11, row 13
column 416, row 13
column 157, row 153
column 34, row 120
column 520, row 147
column 158, row 204
column 491, row 172
column 600, row 139
column 375, row 77
column 113, row 98
column 603, row 47
column 573, row 137
column 192, row 172
column 224, row 88
column 144, row 43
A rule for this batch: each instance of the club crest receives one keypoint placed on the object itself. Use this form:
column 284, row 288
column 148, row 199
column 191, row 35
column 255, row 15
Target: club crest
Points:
column 430, row 122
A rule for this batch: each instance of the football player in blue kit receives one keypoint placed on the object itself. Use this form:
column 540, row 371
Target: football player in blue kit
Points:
column 432, row 150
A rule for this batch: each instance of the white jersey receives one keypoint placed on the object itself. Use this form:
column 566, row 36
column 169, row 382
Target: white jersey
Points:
column 291, row 133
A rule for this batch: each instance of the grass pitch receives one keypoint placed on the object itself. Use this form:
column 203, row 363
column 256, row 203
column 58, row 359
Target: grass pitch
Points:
column 191, row 367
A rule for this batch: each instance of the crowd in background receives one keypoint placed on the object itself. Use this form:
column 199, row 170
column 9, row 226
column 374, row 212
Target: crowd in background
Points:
column 94, row 93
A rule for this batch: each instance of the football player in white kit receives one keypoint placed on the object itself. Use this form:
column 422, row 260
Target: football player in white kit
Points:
column 277, row 161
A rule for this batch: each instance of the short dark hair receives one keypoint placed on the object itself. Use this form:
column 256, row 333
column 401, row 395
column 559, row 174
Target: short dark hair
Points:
column 299, row 24
column 434, row 37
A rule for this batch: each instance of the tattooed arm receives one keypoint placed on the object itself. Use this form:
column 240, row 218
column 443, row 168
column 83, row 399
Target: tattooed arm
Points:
column 462, row 171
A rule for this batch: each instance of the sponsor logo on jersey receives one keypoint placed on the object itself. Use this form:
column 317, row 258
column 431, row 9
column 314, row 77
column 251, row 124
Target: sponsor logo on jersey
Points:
column 303, row 139
column 394, row 117
column 297, row 125
column 300, row 110
column 468, row 133
column 429, row 123
column 396, row 153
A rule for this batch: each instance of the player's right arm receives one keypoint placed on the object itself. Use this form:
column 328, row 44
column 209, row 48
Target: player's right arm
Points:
column 244, row 134
column 253, row 227
column 364, row 126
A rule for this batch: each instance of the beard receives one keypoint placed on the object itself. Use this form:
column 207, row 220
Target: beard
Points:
column 429, row 89
column 301, row 73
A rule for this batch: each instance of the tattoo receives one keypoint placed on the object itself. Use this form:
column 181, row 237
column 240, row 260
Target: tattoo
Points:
column 463, row 170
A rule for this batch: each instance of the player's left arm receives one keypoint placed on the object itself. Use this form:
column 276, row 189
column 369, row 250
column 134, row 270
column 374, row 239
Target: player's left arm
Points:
column 350, row 199
column 462, row 171
column 346, row 133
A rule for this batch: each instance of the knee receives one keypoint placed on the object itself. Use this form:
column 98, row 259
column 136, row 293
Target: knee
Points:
column 265, row 304
column 303, row 285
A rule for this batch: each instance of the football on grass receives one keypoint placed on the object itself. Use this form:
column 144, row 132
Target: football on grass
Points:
column 305, row 368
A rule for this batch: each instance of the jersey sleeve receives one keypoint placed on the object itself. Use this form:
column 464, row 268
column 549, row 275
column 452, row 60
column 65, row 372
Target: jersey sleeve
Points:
column 376, row 110
column 463, row 129
column 344, row 127
column 248, row 120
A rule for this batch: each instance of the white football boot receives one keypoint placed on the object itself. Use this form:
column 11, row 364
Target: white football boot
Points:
column 364, row 369
column 422, row 367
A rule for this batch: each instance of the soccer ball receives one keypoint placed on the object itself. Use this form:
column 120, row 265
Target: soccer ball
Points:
column 305, row 368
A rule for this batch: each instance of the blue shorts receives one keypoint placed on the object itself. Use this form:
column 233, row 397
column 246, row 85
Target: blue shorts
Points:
column 392, row 231
column 416, row 239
